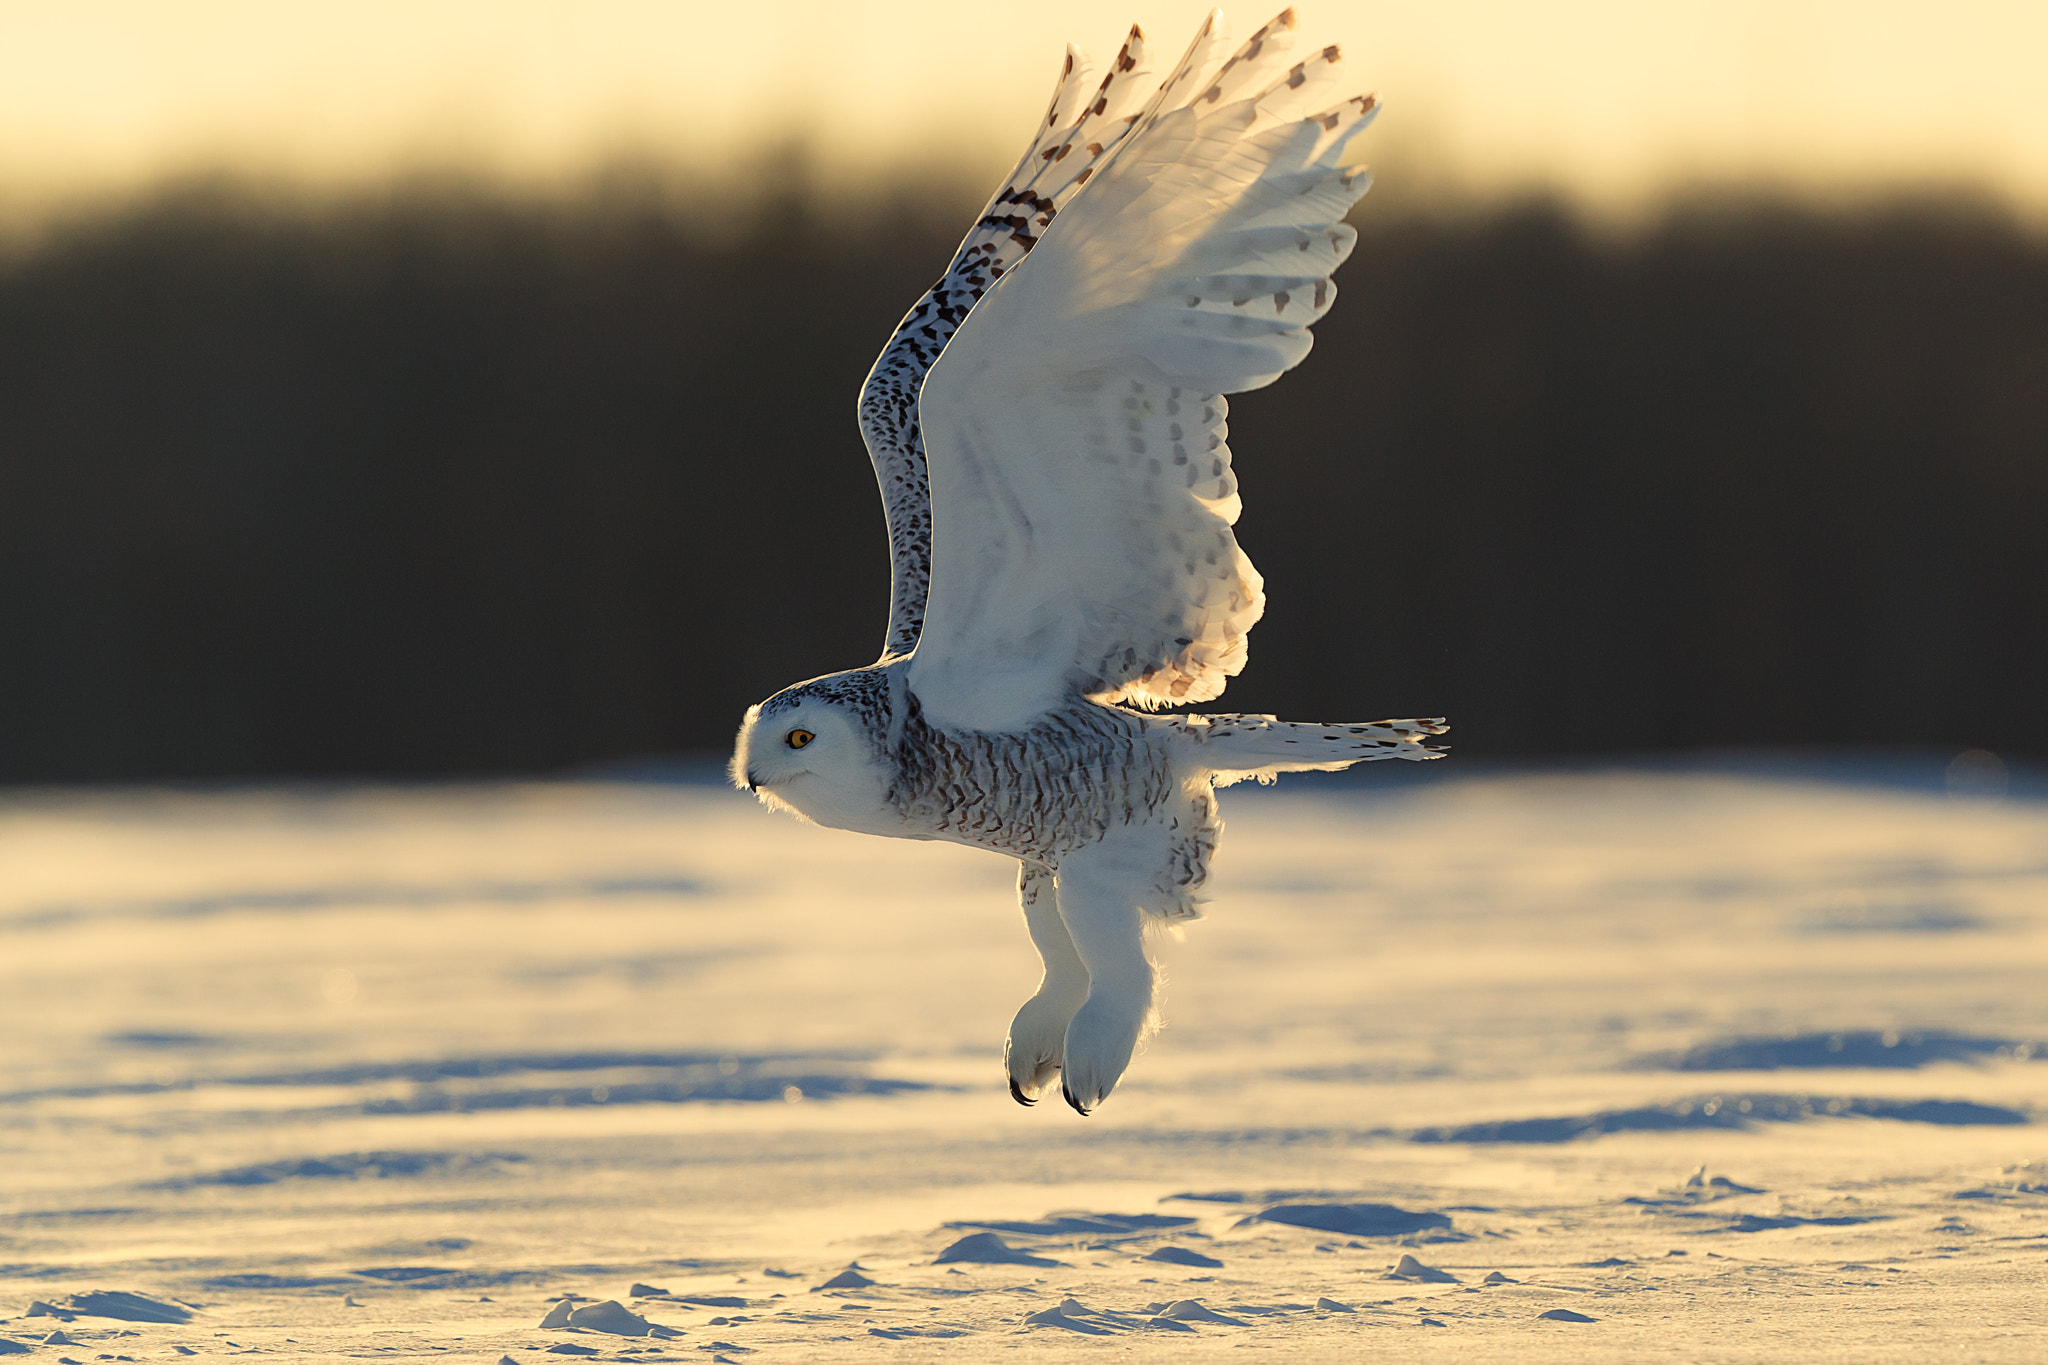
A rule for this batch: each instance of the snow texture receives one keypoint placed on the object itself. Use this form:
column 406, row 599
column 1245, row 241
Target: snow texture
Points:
column 618, row 1049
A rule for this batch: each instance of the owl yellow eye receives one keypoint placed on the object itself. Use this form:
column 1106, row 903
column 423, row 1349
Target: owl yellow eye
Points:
column 799, row 738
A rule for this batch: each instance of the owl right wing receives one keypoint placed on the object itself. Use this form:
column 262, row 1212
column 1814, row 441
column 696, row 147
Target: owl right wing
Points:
column 1082, row 126
column 1082, row 495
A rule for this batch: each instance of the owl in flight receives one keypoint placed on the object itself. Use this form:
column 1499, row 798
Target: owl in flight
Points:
column 1048, row 428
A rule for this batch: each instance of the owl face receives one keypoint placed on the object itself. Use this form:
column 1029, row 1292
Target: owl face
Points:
column 811, row 756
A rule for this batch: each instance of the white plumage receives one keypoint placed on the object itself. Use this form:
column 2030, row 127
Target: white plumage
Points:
column 1048, row 427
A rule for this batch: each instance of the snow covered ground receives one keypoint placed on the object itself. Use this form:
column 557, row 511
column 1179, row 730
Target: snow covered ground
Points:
column 1728, row 1065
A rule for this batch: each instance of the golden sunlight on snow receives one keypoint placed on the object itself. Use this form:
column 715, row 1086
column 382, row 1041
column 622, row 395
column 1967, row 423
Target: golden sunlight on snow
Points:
column 1553, row 1066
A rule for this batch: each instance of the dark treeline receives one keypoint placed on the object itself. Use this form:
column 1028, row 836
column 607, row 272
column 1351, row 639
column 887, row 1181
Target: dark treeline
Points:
column 448, row 484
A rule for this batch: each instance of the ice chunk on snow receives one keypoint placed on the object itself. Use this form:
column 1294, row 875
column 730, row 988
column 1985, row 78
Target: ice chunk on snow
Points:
column 985, row 1248
column 1191, row 1310
column 610, row 1316
column 1408, row 1268
column 846, row 1279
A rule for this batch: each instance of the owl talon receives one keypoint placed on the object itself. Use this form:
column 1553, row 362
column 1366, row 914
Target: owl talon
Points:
column 1071, row 1100
column 1017, row 1094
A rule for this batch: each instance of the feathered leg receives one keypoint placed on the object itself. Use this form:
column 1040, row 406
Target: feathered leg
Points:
column 1038, row 1033
column 1099, row 891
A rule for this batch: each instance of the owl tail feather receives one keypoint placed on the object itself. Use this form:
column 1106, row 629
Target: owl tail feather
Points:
column 1238, row 747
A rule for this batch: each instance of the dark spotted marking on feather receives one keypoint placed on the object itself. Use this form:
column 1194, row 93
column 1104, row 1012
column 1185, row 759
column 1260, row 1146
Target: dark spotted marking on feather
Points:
column 1253, row 46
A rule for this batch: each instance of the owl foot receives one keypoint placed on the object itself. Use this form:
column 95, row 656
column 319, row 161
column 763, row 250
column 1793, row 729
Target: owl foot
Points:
column 1100, row 1041
column 1038, row 1033
column 1037, row 1038
column 1033, row 1063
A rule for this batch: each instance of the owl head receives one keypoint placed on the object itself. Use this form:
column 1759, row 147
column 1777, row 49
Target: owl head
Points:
column 816, row 750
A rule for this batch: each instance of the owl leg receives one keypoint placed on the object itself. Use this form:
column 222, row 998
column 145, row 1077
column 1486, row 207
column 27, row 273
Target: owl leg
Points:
column 1099, row 889
column 1038, row 1032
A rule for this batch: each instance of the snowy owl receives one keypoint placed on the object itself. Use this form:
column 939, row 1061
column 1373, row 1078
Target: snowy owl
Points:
column 1048, row 428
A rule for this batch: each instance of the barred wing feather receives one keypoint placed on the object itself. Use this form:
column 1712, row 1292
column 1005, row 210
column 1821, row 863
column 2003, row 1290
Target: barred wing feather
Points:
column 1081, row 492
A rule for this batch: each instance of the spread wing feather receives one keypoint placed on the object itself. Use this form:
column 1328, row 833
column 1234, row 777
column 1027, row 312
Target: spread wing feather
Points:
column 1081, row 492
column 1085, row 120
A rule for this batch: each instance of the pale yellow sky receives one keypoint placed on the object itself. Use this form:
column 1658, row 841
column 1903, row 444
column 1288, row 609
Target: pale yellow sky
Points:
column 1609, row 101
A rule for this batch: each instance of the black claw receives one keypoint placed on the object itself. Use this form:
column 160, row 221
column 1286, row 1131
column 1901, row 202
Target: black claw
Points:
column 1017, row 1094
column 1071, row 1100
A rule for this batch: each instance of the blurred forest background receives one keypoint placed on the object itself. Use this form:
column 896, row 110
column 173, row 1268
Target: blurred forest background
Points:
column 440, row 481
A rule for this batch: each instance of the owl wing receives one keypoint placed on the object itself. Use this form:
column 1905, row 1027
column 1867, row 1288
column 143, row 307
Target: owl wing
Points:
column 1081, row 491
column 1085, row 121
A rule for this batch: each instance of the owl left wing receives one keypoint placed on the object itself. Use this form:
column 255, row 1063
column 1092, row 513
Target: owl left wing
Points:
column 1081, row 490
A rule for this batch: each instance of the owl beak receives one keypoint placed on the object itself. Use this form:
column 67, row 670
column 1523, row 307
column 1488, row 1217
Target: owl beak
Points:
column 753, row 782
